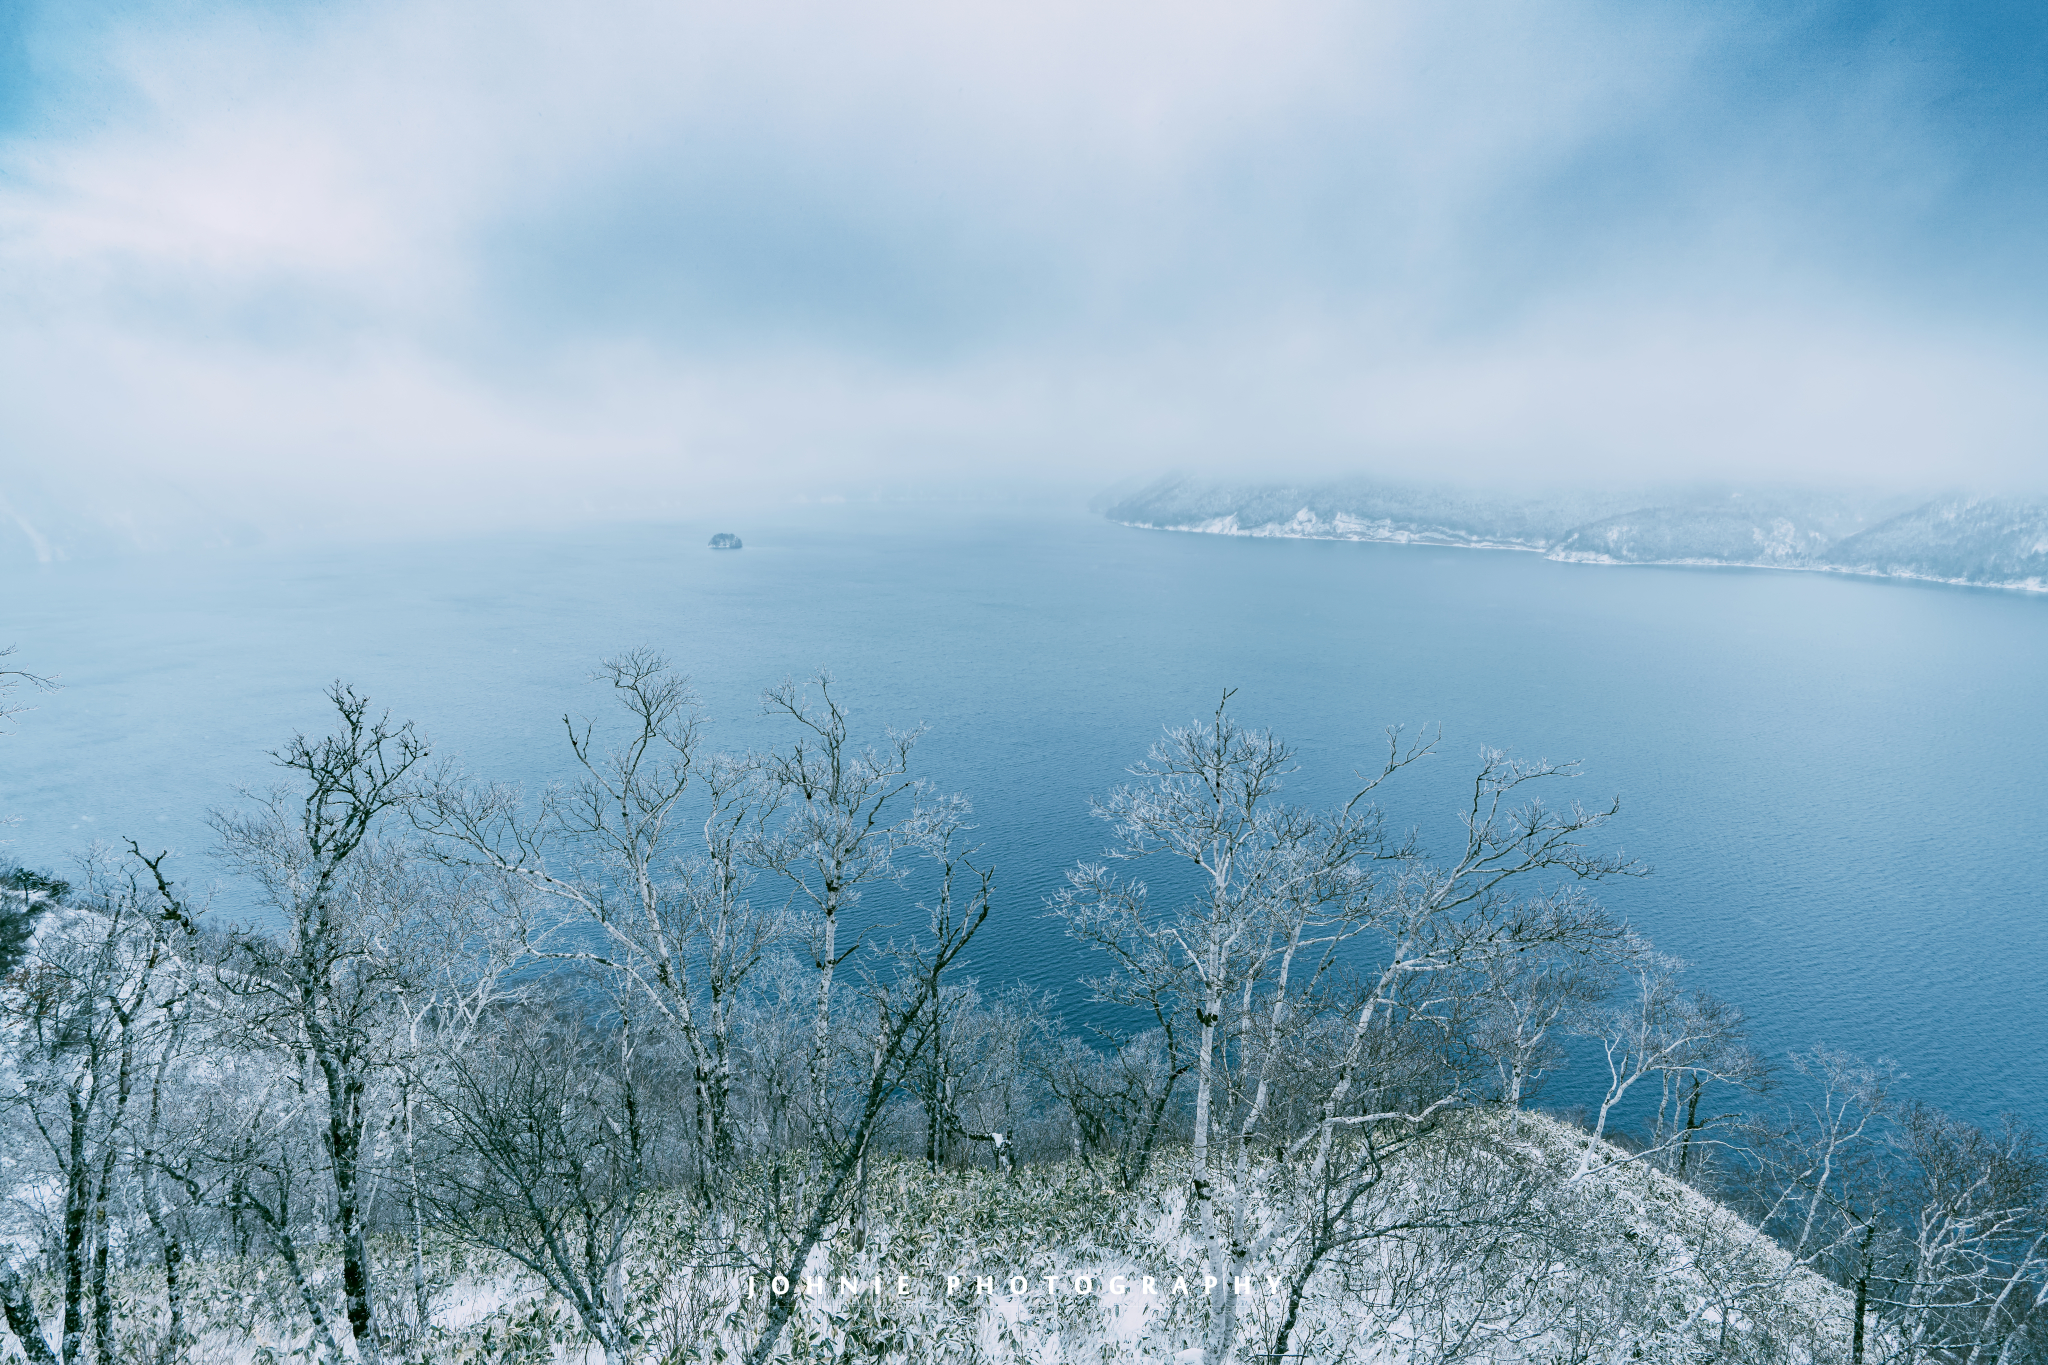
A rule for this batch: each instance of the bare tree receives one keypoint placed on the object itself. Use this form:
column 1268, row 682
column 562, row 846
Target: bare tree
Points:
column 11, row 678
column 771, row 1026
column 1662, row 1029
column 1434, row 925
column 23, row 899
column 1119, row 1101
column 178, row 922
column 1527, row 1002
column 1451, row 1247
column 1332, row 1207
column 1973, row 1231
column 85, row 1012
column 320, row 991
column 24, row 896
column 265, row 1144
column 1821, row 1177
column 1276, row 890
column 554, row 1146
column 163, row 1157
column 848, row 813
column 676, row 920
column 905, row 1007
column 971, row 1081
column 443, row 1011
column 1683, row 1132
column 1825, row 1154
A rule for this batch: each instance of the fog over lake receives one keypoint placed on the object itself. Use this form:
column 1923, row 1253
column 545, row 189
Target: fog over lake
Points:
column 1836, row 781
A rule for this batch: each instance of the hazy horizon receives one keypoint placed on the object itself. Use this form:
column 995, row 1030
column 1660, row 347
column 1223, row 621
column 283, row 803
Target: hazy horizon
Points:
column 184, row 521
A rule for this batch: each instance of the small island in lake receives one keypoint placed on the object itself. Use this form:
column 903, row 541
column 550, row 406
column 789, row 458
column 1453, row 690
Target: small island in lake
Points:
column 725, row 540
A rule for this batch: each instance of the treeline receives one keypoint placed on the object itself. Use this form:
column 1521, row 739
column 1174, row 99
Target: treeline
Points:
column 531, row 1022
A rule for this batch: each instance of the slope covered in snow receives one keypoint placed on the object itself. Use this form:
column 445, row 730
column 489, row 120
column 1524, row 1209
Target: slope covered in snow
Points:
column 1982, row 542
column 1478, row 1245
column 1996, row 541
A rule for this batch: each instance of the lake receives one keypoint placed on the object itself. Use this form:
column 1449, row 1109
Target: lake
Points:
column 1839, row 782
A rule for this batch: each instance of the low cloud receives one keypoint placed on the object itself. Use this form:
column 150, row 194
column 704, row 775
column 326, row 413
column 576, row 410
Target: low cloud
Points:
column 444, row 263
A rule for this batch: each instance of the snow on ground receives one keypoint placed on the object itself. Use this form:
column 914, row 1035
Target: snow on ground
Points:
column 955, row 1266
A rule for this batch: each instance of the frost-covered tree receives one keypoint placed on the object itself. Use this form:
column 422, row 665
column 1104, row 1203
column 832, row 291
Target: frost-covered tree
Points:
column 24, row 896
column 666, row 885
column 1969, row 1279
column 13, row 678
column 1254, row 966
column 1525, row 1005
column 1272, row 890
column 1661, row 1028
column 444, row 1011
column 553, row 1141
column 85, row 1018
column 971, row 1081
column 902, row 998
column 583, row 1036
column 352, row 907
column 1506, row 890
column 847, row 814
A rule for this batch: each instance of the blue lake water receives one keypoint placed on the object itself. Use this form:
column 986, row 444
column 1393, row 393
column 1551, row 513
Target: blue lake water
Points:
column 1838, row 782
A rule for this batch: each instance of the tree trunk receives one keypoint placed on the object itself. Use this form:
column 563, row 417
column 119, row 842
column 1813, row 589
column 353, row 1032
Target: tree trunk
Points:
column 170, row 1244
column 1135, row 1166
column 289, row 1251
column 721, row 1080
column 1692, row 1123
column 1282, row 1338
column 77, row 1198
column 345, row 1144
column 1204, row 1191
column 1862, row 1311
column 22, row 1319
column 712, row 1143
column 420, row 1303
column 1226, row 1267
column 821, row 1039
column 102, row 1301
column 342, row 1137
column 1236, row 1264
column 277, row 1223
column 173, row 1251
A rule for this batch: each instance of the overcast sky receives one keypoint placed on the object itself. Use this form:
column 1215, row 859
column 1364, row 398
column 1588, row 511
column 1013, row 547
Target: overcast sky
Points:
column 452, row 260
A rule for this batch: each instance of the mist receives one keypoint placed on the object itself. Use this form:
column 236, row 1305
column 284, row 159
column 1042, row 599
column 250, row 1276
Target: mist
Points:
column 277, row 270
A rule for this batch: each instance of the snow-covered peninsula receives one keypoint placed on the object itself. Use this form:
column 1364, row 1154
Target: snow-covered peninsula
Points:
column 1955, row 538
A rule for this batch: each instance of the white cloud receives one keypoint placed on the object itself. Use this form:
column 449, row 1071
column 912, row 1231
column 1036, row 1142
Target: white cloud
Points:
column 522, row 259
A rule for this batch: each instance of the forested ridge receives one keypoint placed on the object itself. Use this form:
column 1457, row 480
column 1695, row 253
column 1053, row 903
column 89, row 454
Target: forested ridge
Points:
column 630, row 1065
column 1955, row 538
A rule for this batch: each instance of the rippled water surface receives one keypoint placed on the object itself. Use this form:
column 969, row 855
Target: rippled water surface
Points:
column 1838, row 782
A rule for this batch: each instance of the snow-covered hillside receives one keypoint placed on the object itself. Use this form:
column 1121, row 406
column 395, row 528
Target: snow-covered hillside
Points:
column 1984, row 542
column 1490, row 1250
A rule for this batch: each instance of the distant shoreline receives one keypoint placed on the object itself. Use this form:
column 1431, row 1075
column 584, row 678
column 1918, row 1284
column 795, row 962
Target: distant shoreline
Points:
column 1226, row 526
